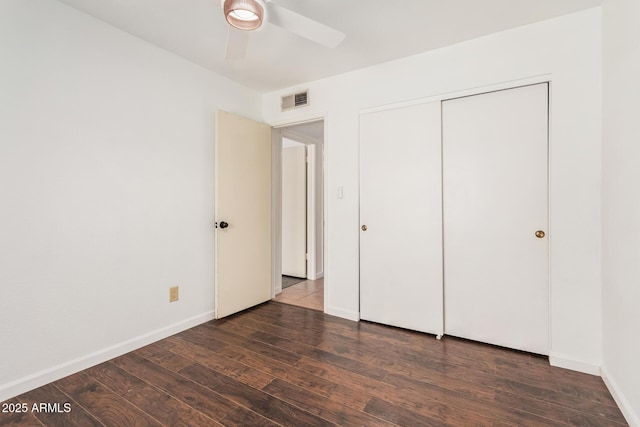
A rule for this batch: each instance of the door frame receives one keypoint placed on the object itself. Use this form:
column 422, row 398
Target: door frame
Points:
column 278, row 131
column 312, row 220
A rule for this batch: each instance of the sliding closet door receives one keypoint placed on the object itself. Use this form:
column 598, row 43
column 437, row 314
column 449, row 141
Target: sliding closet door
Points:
column 401, row 218
column 495, row 217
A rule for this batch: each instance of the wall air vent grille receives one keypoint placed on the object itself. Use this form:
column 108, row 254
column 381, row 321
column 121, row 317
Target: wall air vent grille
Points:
column 295, row 100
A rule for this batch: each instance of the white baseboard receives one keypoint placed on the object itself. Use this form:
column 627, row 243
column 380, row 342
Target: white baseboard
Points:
column 45, row 376
column 345, row 314
column 567, row 362
column 315, row 276
column 631, row 416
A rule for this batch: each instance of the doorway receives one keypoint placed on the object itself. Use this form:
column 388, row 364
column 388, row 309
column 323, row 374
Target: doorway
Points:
column 298, row 154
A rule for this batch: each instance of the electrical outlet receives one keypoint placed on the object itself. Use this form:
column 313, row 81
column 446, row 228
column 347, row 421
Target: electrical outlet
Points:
column 173, row 294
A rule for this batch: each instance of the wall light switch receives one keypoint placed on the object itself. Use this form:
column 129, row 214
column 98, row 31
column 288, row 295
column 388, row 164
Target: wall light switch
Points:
column 340, row 191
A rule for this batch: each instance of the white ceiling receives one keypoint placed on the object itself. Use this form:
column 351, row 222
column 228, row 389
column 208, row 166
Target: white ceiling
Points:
column 311, row 130
column 376, row 31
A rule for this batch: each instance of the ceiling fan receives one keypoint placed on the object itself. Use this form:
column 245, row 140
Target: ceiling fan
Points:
column 244, row 16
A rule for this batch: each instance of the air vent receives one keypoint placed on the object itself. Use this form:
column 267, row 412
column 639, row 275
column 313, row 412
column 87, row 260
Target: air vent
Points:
column 296, row 100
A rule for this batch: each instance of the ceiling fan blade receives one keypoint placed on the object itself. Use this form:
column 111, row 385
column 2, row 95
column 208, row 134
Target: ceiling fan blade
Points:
column 237, row 41
column 303, row 26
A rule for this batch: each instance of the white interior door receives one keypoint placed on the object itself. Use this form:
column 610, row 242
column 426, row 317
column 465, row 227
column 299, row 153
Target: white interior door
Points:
column 494, row 200
column 294, row 209
column 400, row 206
column 243, row 213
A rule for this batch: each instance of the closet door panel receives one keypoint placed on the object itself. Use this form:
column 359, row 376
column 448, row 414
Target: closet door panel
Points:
column 495, row 156
column 400, row 206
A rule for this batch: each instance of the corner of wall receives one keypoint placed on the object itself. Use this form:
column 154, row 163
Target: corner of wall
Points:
column 625, row 406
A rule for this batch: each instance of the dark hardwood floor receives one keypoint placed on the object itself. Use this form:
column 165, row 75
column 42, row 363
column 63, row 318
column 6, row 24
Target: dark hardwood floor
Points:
column 277, row 364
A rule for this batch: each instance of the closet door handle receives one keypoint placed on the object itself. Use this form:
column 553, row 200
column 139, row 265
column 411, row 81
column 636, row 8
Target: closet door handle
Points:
column 539, row 234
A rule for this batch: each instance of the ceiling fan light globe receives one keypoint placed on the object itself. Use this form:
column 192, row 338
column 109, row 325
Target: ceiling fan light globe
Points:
column 244, row 14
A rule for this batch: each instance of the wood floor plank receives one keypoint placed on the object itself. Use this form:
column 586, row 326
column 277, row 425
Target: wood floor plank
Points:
column 461, row 366
column 334, row 390
column 279, row 365
column 306, row 331
column 200, row 336
column 162, row 406
column 459, row 408
column 211, row 359
column 356, row 366
column 255, row 400
column 400, row 395
column 201, row 398
column 262, row 324
column 381, row 354
column 335, row 412
column 339, row 375
column 19, row 419
column 550, row 377
column 534, row 393
column 297, row 346
column 401, row 416
column 243, row 417
column 155, row 352
column 414, row 361
column 76, row 416
column 310, row 323
column 109, row 408
column 418, row 364
column 252, row 345
column 564, row 414
column 517, row 359
column 275, row 368
column 448, row 348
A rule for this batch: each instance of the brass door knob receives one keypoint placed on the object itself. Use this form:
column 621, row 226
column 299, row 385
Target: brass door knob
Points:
column 539, row 234
column 364, row 228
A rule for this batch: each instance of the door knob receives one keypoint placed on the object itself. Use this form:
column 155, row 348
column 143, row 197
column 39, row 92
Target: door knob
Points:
column 539, row 234
column 223, row 224
column 364, row 228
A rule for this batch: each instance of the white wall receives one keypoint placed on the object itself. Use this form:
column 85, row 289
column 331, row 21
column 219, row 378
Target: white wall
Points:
column 621, row 204
column 106, row 190
column 567, row 50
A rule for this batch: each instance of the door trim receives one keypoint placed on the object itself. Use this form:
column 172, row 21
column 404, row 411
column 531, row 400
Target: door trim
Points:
column 312, row 219
column 478, row 90
column 277, row 132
